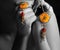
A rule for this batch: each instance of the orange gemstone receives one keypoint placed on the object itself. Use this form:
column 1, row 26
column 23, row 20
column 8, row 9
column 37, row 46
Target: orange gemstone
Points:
column 24, row 5
column 43, row 30
column 44, row 17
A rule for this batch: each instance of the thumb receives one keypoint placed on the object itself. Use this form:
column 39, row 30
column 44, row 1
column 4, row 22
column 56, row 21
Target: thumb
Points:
column 45, row 6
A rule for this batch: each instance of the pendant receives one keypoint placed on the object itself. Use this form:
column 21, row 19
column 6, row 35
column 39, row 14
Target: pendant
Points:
column 44, row 17
column 22, row 17
column 43, row 33
column 23, row 5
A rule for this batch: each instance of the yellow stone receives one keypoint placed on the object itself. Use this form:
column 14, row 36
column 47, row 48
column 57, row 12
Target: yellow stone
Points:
column 24, row 5
column 44, row 17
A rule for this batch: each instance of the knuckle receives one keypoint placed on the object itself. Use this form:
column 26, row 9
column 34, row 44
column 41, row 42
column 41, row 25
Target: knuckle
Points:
column 27, row 10
column 51, row 9
column 47, row 7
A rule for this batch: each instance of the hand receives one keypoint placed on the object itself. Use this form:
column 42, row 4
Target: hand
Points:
column 46, row 7
column 28, row 19
column 29, row 16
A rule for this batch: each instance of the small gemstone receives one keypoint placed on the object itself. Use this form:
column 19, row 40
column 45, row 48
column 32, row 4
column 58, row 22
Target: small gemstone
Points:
column 43, row 30
column 22, row 14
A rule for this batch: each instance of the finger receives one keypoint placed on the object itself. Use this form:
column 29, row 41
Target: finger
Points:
column 47, row 7
column 27, row 10
column 28, row 15
column 30, row 20
column 40, row 1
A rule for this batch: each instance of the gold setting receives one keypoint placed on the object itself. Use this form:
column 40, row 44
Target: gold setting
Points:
column 44, row 17
column 24, row 5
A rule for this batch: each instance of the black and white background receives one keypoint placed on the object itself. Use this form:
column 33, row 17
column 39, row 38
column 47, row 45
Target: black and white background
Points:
column 8, row 15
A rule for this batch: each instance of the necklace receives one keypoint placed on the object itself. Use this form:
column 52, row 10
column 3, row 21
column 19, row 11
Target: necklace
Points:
column 44, row 19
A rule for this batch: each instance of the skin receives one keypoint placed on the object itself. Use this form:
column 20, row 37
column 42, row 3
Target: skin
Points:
column 6, row 41
column 52, row 34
